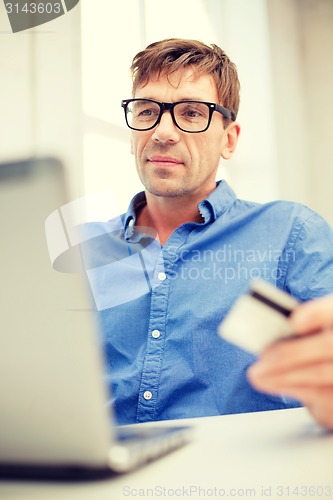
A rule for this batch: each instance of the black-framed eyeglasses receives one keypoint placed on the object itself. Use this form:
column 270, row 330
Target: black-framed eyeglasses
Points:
column 188, row 116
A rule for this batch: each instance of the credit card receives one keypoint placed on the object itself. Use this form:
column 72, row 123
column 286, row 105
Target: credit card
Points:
column 259, row 317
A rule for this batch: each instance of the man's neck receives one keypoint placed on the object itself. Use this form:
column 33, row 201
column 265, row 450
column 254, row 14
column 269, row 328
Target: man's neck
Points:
column 165, row 215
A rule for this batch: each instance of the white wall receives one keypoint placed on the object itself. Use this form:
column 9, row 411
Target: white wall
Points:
column 302, row 53
column 40, row 93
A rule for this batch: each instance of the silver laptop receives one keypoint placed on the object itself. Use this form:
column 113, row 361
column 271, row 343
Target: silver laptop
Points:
column 54, row 419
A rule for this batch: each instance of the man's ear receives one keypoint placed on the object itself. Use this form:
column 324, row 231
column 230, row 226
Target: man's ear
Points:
column 230, row 139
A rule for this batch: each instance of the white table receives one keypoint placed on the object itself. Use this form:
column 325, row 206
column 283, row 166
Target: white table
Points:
column 276, row 454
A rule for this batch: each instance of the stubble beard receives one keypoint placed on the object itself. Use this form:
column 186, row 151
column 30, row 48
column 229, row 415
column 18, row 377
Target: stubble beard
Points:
column 163, row 183
column 164, row 191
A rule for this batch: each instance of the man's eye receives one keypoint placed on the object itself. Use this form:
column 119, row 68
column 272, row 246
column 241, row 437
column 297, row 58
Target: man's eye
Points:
column 192, row 113
column 146, row 113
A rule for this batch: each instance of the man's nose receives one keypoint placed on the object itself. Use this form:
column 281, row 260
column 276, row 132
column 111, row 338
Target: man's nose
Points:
column 166, row 131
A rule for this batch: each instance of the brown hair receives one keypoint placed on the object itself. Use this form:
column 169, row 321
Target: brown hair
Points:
column 167, row 56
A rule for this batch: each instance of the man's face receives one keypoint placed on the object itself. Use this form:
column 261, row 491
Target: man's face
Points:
column 171, row 162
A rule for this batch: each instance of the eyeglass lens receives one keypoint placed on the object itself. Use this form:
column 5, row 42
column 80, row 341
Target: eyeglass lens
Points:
column 191, row 116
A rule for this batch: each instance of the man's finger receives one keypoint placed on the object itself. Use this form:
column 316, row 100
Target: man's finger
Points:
column 313, row 315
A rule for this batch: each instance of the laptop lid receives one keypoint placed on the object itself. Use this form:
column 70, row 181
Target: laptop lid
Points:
column 50, row 360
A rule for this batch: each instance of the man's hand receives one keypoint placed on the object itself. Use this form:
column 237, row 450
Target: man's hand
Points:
column 302, row 367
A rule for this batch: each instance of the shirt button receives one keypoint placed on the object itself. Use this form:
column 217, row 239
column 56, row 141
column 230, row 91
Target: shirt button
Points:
column 161, row 276
column 131, row 223
column 147, row 395
column 156, row 334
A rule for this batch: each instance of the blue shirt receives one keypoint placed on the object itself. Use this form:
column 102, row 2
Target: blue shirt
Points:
column 160, row 307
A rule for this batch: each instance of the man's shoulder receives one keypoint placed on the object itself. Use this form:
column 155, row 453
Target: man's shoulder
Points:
column 301, row 214
column 280, row 209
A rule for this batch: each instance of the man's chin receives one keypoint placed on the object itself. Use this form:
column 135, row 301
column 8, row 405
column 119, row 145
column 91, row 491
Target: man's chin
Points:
column 165, row 189
column 165, row 193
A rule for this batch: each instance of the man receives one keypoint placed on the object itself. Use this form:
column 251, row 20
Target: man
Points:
column 302, row 367
column 161, row 299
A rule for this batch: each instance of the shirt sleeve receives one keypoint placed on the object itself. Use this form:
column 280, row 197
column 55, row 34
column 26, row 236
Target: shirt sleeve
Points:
column 308, row 258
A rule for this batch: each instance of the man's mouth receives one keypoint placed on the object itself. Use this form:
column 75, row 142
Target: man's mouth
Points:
column 164, row 161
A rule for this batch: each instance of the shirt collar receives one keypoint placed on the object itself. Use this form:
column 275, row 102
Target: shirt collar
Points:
column 218, row 202
column 210, row 209
column 136, row 203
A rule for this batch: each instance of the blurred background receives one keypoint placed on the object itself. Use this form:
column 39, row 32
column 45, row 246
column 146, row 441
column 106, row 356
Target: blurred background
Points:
column 61, row 84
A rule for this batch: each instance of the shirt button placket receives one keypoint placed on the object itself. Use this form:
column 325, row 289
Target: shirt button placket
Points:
column 152, row 363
